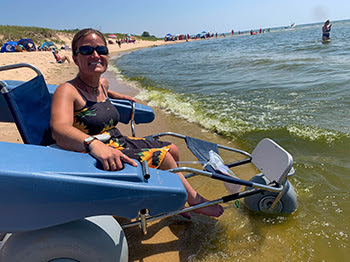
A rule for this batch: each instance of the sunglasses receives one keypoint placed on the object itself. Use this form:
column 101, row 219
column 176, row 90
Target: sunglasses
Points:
column 88, row 50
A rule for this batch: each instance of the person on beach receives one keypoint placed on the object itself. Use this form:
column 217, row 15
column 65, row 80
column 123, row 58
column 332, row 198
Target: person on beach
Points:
column 81, row 109
column 60, row 59
column 119, row 42
column 326, row 29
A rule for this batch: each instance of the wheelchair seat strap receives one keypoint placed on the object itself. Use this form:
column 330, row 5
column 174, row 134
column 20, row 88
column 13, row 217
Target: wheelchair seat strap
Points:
column 201, row 148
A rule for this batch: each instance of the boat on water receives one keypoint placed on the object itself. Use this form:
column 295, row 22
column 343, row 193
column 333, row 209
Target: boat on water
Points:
column 58, row 205
column 292, row 25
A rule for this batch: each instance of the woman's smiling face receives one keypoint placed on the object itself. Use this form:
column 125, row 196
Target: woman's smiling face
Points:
column 93, row 63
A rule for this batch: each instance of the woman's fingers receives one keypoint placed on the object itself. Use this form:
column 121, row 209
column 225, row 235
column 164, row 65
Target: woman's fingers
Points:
column 123, row 158
column 106, row 165
column 113, row 166
column 117, row 163
column 111, row 158
column 128, row 160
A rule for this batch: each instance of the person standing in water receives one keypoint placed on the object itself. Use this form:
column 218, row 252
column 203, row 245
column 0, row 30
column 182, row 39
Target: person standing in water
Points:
column 326, row 29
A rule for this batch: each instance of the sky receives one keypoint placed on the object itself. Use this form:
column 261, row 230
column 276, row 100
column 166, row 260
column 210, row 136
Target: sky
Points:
column 160, row 17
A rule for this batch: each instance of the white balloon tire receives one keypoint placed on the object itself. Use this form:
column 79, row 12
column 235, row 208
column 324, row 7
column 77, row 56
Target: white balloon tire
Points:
column 92, row 239
column 286, row 205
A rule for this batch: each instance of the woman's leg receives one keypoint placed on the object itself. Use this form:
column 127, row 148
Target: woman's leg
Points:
column 174, row 152
column 67, row 59
column 193, row 198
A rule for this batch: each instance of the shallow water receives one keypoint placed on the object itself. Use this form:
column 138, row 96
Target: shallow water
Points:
column 287, row 85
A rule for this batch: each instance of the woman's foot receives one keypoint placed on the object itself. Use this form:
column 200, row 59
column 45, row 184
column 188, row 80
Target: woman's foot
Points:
column 212, row 211
column 186, row 215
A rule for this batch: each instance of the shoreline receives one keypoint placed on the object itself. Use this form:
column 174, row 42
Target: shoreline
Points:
column 167, row 239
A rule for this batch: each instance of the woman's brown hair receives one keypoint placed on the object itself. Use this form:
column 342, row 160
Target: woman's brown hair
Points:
column 83, row 33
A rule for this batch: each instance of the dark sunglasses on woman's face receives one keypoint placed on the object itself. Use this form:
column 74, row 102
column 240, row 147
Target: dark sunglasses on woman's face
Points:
column 88, row 50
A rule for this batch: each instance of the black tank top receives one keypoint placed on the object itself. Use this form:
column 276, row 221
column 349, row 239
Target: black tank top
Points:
column 96, row 117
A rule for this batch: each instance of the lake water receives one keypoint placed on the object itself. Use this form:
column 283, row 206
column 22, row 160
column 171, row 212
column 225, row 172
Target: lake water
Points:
column 286, row 85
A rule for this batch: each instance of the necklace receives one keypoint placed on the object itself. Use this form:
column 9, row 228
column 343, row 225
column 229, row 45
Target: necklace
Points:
column 93, row 87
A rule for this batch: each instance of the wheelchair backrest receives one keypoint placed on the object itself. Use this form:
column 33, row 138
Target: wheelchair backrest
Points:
column 272, row 160
column 30, row 106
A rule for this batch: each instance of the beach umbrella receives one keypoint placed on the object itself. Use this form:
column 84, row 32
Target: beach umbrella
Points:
column 112, row 36
column 9, row 47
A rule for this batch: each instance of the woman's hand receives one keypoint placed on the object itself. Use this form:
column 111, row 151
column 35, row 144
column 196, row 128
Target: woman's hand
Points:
column 110, row 157
column 130, row 98
column 126, row 97
column 116, row 95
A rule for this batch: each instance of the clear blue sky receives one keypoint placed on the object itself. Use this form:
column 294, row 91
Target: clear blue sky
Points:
column 159, row 17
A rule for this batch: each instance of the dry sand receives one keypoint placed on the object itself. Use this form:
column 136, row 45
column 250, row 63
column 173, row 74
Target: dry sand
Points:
column 172, row 239
column 54, row 73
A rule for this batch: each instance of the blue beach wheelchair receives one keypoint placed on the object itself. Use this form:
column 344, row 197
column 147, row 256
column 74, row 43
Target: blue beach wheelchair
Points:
column 59, row 205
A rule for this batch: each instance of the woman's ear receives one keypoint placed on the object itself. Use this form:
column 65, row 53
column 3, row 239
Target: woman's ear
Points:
column 74, row 57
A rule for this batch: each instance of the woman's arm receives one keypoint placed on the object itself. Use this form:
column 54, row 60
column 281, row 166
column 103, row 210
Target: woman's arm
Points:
column 62, row 110
column 115, row 95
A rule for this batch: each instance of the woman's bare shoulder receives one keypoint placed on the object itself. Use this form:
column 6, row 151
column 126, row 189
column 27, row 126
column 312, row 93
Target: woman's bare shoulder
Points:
column 66, row 90
column 104, row 82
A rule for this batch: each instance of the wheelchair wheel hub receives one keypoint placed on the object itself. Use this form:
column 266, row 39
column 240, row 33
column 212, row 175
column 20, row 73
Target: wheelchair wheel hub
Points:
column 266, row 202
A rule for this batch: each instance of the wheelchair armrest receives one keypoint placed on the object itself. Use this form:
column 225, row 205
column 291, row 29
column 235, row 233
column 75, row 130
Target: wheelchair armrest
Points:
column 143, row 113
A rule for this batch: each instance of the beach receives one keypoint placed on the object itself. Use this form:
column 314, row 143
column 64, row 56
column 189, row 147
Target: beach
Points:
column 286, row 85
column 172, row 239
column 54, row 73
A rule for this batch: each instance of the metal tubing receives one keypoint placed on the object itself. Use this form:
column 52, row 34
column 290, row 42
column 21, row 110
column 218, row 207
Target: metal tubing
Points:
column 156, row 136
column 143, row 221
column 239, row 162
column 268, row 188
column 189, row 169
column 192, row 208
column 169, row 214
column 15, row 66
column 226, row 178
column 145, row 170
column 132, row 123
column 190, row 175
column 3, row 88
column 291, row 172
column 279, row 196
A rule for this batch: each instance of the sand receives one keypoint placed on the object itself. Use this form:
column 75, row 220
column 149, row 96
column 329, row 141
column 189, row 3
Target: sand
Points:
column 54, row 73
column 172, row 239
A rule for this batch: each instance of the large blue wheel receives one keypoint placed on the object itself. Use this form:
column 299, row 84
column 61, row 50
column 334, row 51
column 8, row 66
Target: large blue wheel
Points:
column 92, row 239
column 261, row 202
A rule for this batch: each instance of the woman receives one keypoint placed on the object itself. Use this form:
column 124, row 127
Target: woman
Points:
column 326, row 29
column 60, row 59
column 81, row 109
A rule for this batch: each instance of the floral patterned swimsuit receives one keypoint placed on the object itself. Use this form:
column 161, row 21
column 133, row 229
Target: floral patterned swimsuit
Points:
column 102, row 117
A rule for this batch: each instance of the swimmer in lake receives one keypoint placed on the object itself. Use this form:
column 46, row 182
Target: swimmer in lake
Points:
column 326, row 29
